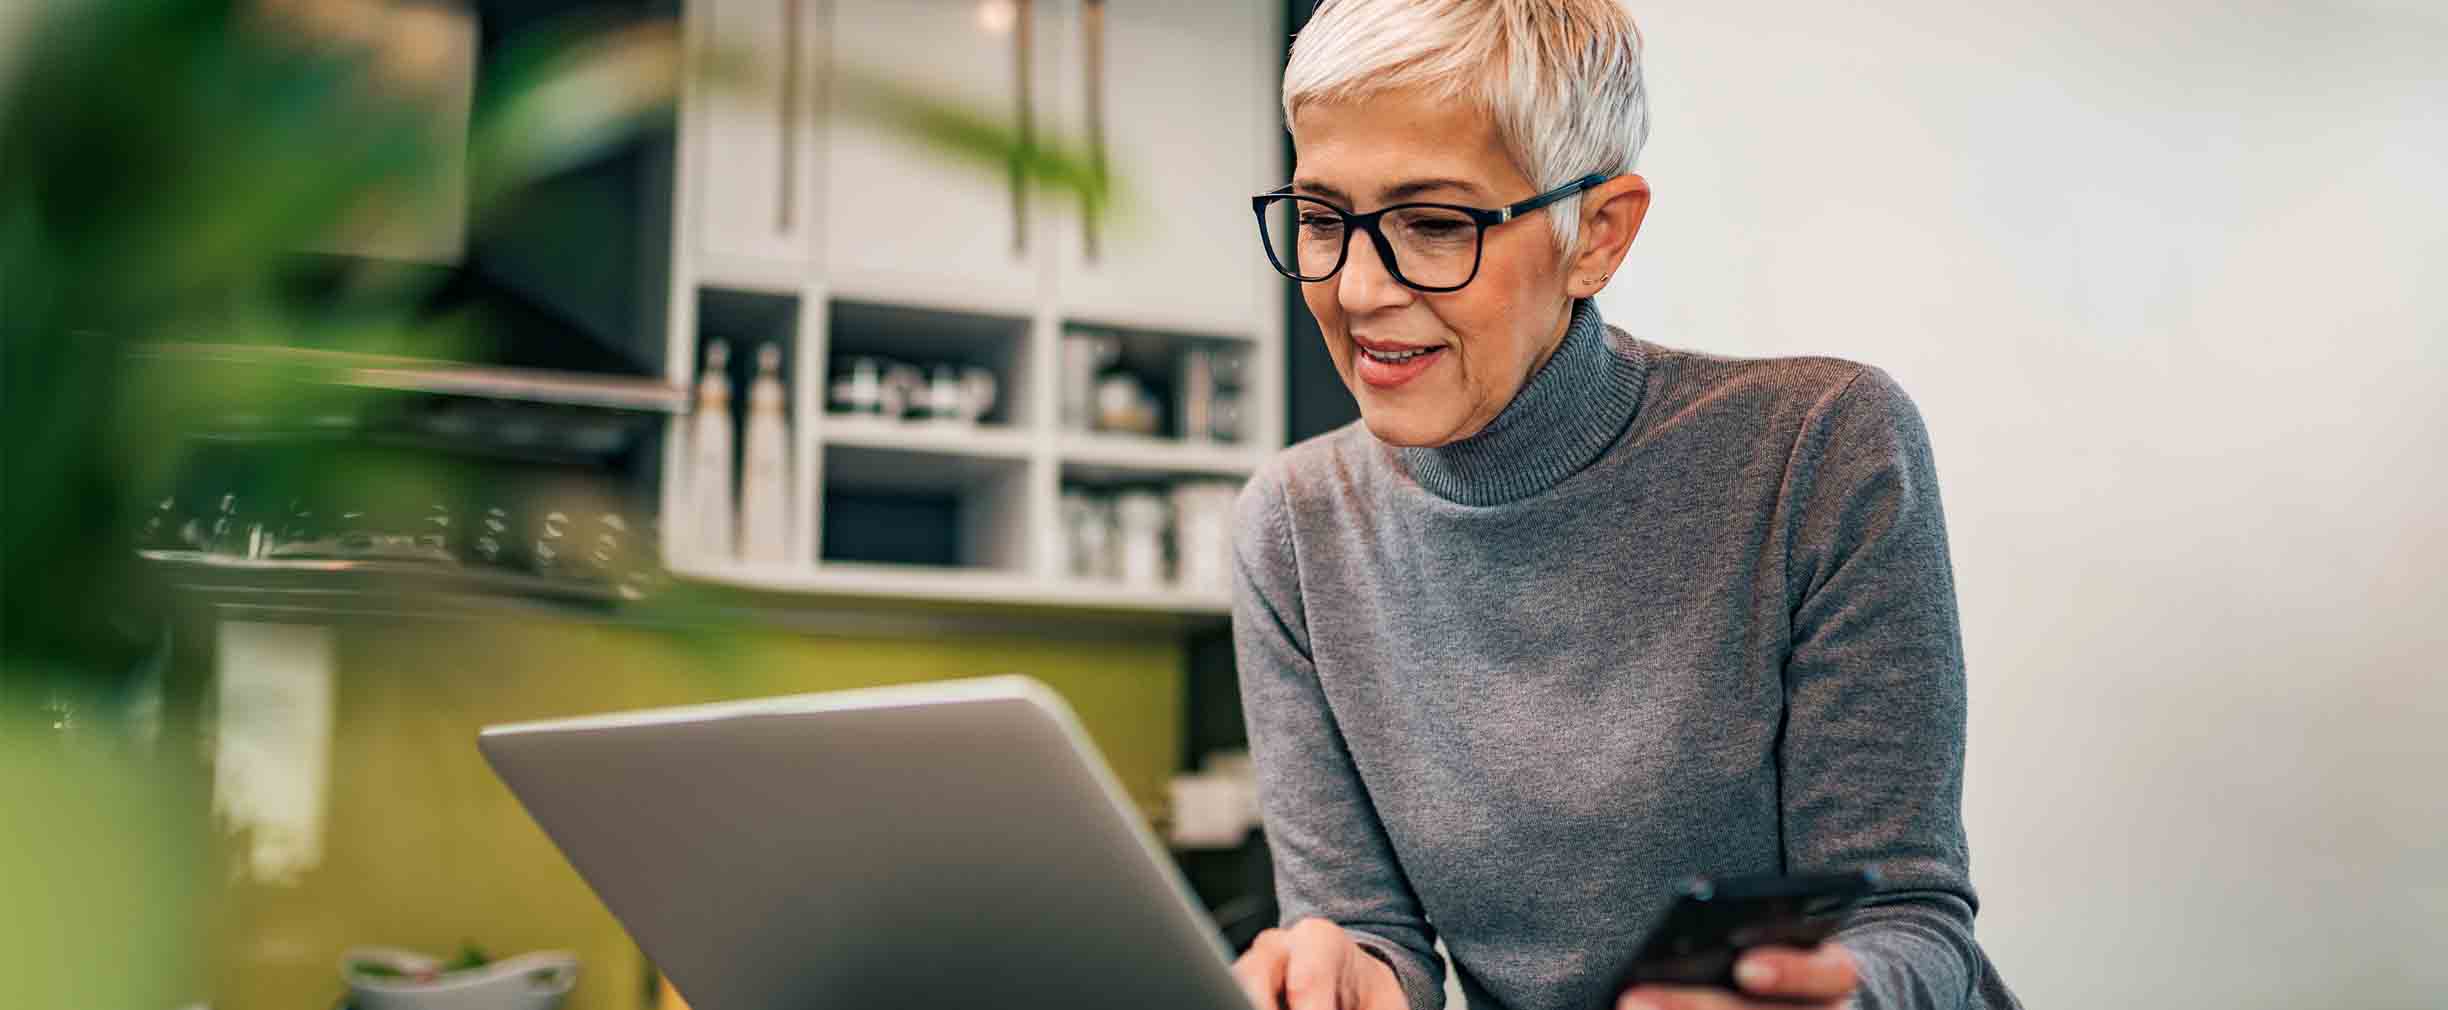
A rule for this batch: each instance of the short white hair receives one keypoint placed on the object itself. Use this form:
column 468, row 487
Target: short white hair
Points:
column 1561, row 78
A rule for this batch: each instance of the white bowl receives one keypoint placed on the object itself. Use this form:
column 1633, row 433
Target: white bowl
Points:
column 536, row 981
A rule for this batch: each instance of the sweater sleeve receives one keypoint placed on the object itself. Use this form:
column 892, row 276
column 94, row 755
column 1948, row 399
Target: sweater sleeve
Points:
column 1331, row 854
column 1871, row 760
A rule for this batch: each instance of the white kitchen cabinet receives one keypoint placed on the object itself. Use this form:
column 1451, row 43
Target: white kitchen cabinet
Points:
column 757, row 148
column 1177, row 95
column 907, row 223
column 891, row 251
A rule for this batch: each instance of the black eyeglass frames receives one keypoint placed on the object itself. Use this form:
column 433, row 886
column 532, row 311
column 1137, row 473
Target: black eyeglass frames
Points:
column 1431, row 247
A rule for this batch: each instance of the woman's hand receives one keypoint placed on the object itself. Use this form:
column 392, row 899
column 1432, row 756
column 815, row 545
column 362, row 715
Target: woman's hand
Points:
column 1315, row 966
column 1772, row 978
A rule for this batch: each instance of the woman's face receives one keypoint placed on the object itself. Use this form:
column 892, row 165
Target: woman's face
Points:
column 1480, row 343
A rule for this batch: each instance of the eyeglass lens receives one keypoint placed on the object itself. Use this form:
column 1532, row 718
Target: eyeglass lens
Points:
column 1433, row 247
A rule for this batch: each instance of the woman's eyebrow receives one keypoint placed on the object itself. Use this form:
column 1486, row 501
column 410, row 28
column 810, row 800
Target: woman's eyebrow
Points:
column 1392, row 194
column 1416, row 187
column 1316, row 188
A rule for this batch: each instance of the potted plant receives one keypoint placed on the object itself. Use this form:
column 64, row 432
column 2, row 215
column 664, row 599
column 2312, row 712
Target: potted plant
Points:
column 158, row 163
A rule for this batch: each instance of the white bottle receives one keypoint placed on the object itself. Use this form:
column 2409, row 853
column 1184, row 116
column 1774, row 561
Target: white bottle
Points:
column 1142, row 517
column 709, row 460
column 765, row 467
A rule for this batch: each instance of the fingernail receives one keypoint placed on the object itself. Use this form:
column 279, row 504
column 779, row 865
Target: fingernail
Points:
column 1755, row 974
column 1635, row 1003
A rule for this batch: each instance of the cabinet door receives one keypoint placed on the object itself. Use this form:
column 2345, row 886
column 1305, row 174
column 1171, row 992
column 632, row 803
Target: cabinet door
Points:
column 755, row 163
column 910, row 223
column 1178, row 95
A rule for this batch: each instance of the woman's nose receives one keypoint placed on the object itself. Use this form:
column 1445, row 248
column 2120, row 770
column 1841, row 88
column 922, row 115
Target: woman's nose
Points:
column 1364, row 284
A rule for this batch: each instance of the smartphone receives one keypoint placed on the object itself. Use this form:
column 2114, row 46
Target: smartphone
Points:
column 1712, row 921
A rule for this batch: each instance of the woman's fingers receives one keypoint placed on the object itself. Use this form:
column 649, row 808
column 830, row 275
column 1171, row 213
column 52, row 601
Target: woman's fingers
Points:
column 1824, row 972
column 1785, row 977
column 1672, row 997
column 1668, row 997
column 1313, row 979
column 1314, row 965
column 1261, row 970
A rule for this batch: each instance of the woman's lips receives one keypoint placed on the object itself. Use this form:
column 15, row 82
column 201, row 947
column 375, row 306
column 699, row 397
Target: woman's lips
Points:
column 1390, row 374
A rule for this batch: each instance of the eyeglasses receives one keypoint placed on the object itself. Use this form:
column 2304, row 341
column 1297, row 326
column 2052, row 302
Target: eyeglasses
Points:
column 1431, row 247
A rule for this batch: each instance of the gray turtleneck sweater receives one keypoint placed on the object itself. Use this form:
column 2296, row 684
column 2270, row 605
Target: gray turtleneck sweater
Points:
column 1669, row 614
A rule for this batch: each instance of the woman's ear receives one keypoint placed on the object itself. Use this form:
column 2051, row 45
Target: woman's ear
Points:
column 1610, row 216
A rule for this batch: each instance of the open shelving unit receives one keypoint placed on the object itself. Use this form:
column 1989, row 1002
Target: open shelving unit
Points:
column 789, row 235
column 951, row 512
column 820, row 235
column 934, row 510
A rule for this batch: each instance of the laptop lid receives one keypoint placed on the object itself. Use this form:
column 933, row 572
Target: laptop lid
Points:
column 950, row 844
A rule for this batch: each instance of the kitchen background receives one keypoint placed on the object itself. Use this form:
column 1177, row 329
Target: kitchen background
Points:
column 826, row 343
column 819, row 345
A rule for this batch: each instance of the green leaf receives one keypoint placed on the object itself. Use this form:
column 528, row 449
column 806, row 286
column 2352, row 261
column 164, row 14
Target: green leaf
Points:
column 958, row 130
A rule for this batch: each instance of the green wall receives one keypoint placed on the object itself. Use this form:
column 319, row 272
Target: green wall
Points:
column 424, row 849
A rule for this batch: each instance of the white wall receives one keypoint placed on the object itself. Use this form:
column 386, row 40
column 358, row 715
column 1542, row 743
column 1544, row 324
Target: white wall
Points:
column 2169, row 283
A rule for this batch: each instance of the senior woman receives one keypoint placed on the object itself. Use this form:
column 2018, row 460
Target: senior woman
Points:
column 1570, row 616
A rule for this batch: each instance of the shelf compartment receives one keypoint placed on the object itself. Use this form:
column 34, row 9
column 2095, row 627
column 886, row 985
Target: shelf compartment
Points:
column 947, row 511
column 745, row 322
column 926, row 338
column 1194, row 386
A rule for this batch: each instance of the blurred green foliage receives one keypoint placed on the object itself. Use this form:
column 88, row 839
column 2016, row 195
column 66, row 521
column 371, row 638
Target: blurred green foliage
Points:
column 161, row 162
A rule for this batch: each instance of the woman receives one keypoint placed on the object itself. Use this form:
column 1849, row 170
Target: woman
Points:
column 1570, row 617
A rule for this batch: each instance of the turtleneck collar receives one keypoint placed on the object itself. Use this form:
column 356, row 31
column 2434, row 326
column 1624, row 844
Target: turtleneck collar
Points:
column 1572, row 409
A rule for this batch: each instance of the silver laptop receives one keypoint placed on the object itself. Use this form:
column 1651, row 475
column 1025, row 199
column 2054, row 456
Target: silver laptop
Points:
column 944, row 845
